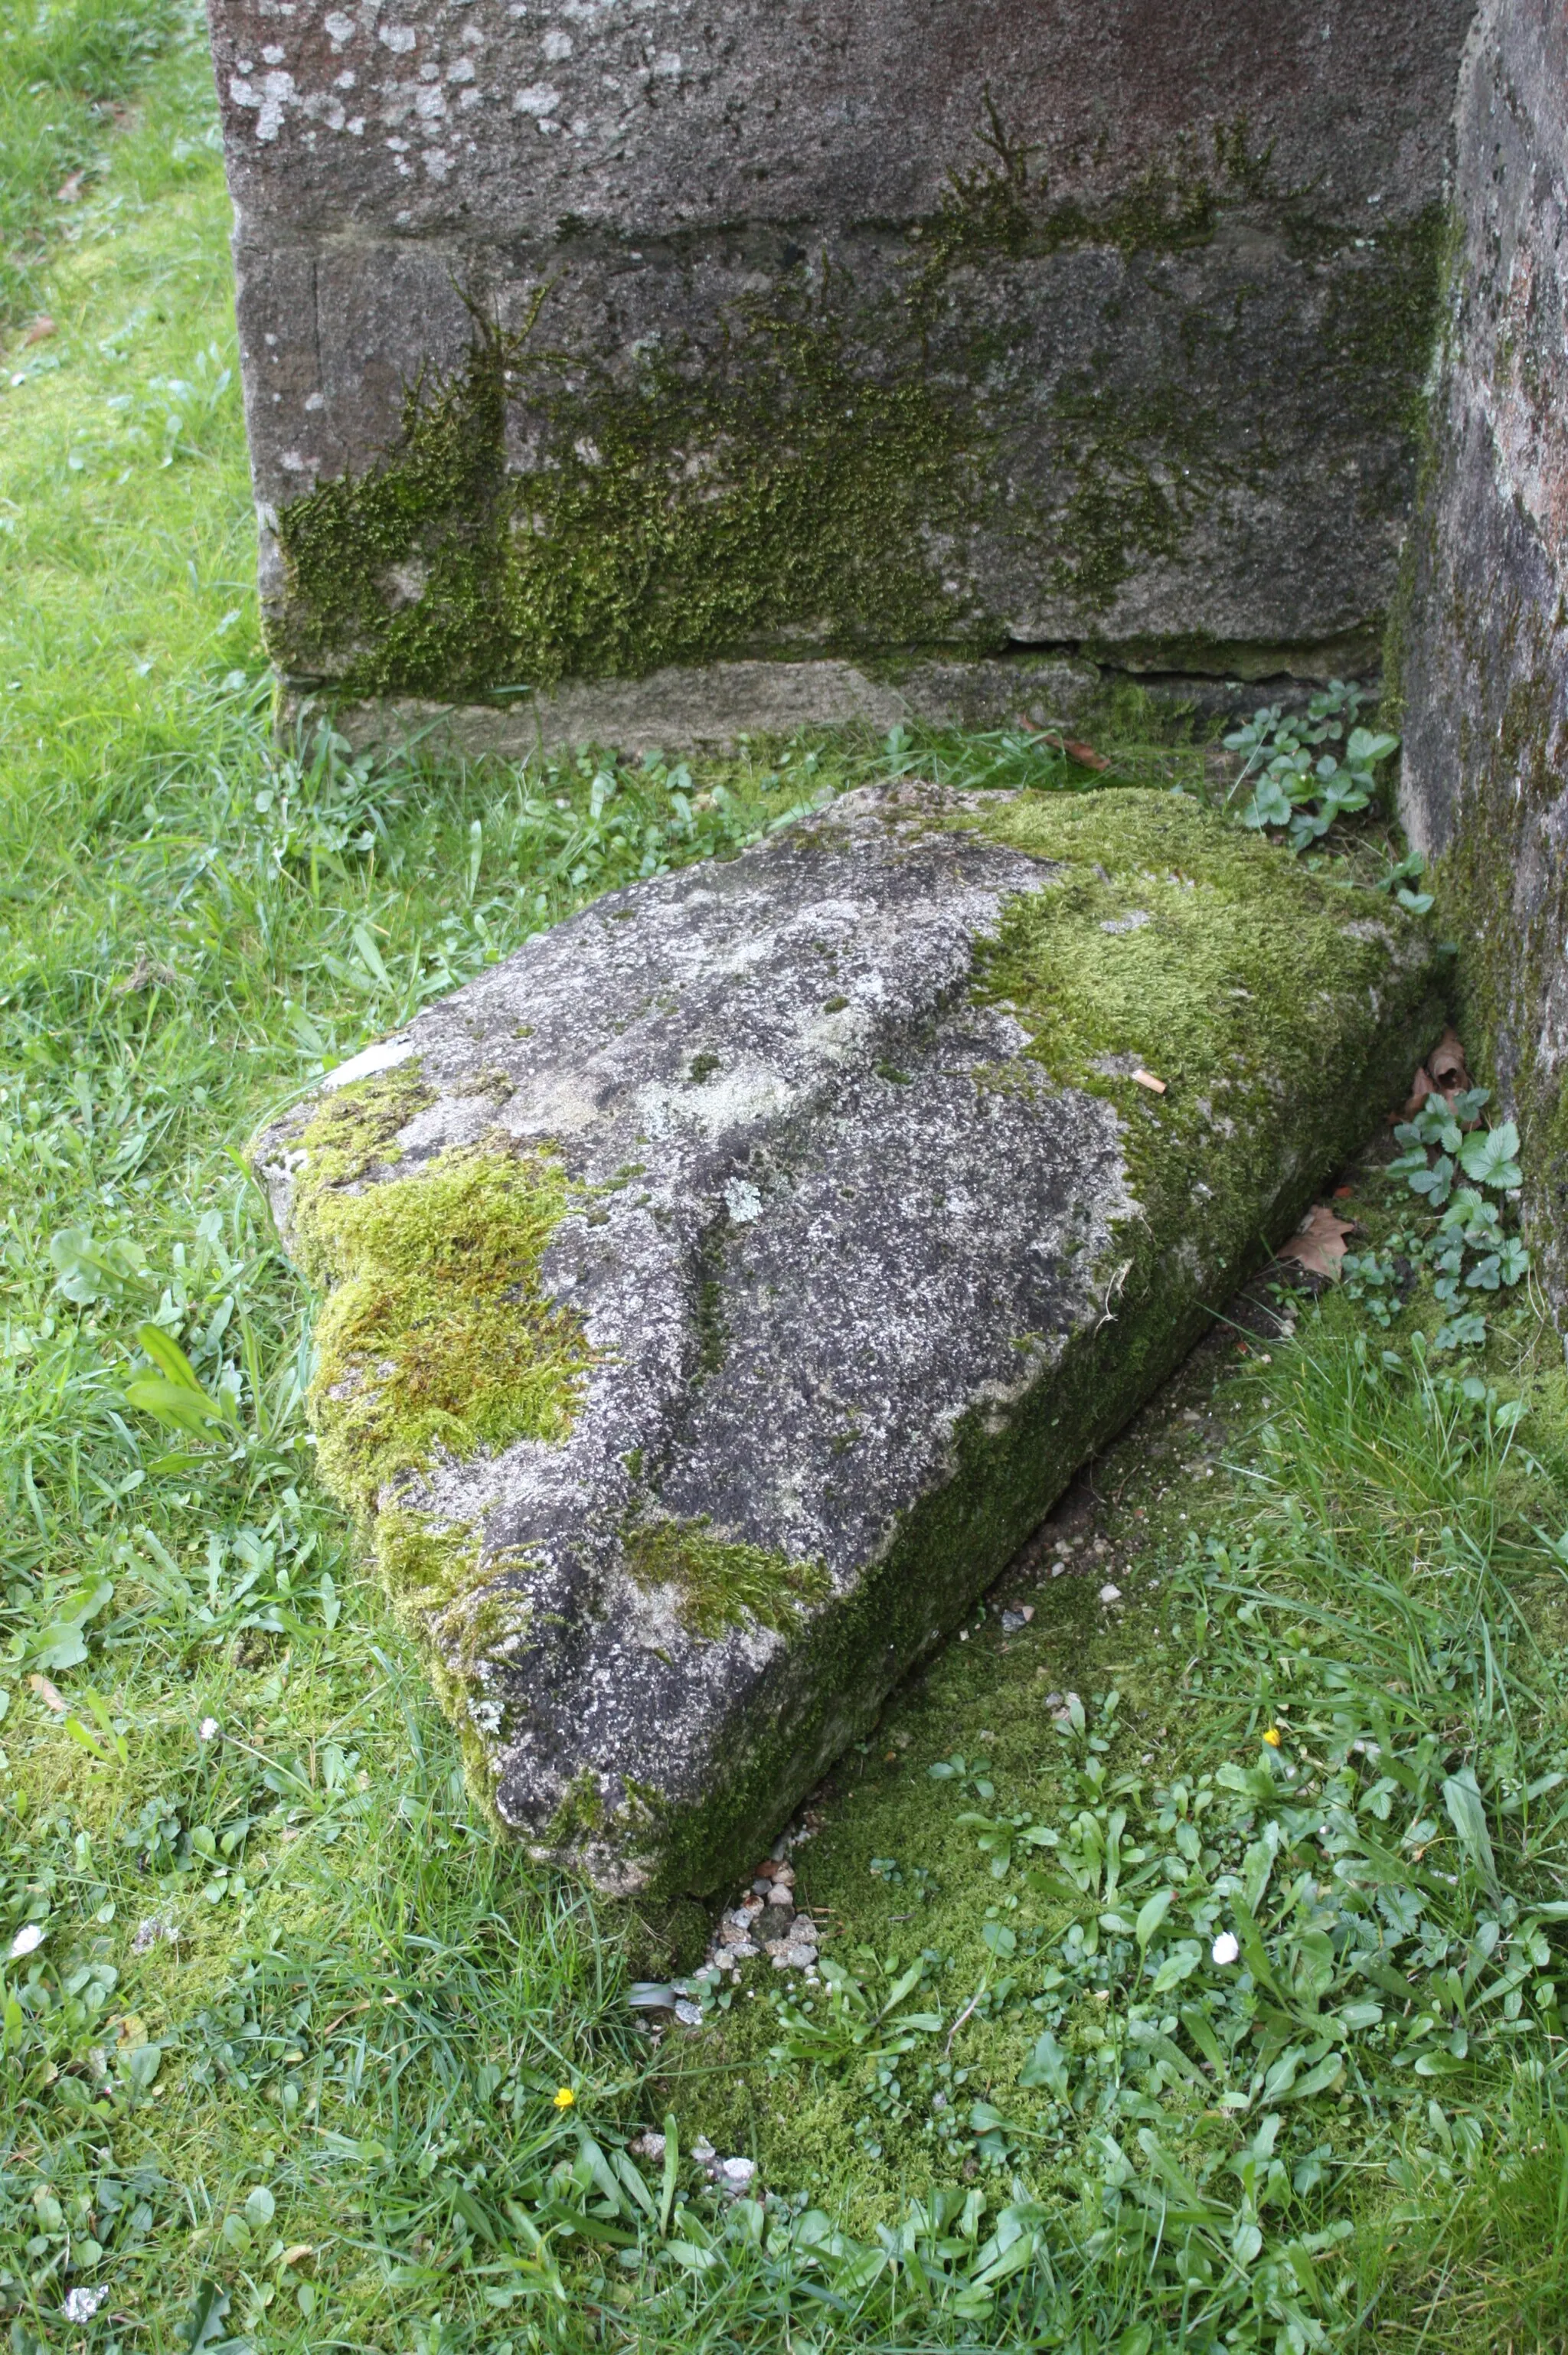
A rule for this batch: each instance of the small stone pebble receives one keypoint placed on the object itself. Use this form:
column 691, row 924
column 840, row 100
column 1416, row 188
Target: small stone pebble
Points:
column 738, row 2173
column 781, row 1894
column 689, row 2014
column 647, row 2146
column 1109, row 1593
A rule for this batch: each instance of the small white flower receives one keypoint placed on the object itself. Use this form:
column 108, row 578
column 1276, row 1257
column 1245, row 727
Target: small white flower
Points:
column 28, row 1940
column 1226, row 1948
column 206, row 1730
column 81, row 2305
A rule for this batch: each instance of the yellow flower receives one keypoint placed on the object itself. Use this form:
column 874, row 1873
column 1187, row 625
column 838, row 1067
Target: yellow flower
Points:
column 565, row 2099
column 1272, row 1737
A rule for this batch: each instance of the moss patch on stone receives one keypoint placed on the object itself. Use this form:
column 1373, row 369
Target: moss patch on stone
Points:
column 1176, row 944
column 438, row 1334
column 701, row 503
column 799, row 476
column 1503, row 889
column 423, row 1565
column 721, row 1584
column 352, row 1130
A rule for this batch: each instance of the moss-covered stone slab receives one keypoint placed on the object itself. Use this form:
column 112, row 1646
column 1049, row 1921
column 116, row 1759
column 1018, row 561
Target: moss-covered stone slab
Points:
column 584, row 342
column 722, row 1289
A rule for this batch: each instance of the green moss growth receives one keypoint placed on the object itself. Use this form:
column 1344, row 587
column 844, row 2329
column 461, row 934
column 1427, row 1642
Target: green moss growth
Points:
column 703, row 503
column 997, row 206
column 1175, row 942
column 722, row 1584
column 351, row 1131
column 580, row 1815
column 437, row 1333
column 1511, row 775
column 1140, row 470
column 797, row 477
column 1381, row 311
column 424, row 1567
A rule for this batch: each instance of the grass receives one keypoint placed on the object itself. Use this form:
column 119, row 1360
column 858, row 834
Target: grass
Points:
column 299, row 2058
column 65, row 73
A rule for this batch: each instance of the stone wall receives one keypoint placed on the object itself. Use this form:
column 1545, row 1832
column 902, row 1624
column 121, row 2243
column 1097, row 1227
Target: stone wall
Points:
column 1485, row 675
column 602, row 338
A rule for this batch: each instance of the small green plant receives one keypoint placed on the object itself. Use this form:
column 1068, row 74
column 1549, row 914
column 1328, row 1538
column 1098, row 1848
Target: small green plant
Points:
column 1468, row 1252
column 858, row 2022
column 1309, row 769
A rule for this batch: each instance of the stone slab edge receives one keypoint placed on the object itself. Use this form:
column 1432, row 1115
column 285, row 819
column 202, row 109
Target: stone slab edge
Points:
column 713, row 706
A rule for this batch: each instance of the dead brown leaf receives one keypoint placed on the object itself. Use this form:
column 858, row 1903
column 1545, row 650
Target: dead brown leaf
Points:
column 1318, row 1244
column 50, row 1695
column 1076, row 749
column 1420, row 1087
column 1445, row 1073
column 69, row 189
column 1450, row 1074
column 38, row 330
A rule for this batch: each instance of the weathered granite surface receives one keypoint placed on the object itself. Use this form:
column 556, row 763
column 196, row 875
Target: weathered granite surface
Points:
column 764, row 330
column 1485, row 687
column 723, row 1287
